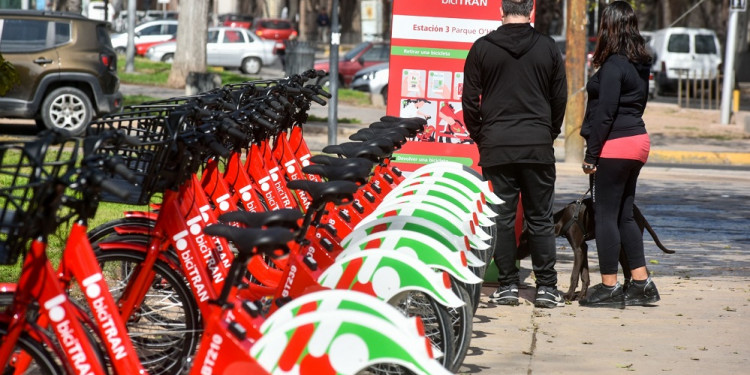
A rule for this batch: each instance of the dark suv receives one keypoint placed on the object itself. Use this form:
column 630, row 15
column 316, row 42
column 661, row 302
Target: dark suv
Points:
column 66, row 65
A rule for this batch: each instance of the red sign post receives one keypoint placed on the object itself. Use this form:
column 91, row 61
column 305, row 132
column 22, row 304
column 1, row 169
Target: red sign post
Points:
column 430, row 40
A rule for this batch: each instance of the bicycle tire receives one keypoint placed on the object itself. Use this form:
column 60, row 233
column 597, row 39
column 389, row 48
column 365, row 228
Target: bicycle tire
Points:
column 104, row 231
column 43, row 362
column 462, row 321
column 386, row 369
column 93, row 335
column 159, row 352
column 435, row 318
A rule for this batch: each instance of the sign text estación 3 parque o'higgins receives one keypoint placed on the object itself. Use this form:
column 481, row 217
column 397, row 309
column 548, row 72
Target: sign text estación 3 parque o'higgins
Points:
column 429, row 43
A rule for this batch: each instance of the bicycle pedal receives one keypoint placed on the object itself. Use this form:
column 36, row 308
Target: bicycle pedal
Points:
column 369, row 197
column 330, row 229
column 327, row 244
column 358, row 206
column 281, row 301
column 376, row 187
column 237, row 330
column 388, row 178
column 396, row 171
column 310, row 263
column 251, row 308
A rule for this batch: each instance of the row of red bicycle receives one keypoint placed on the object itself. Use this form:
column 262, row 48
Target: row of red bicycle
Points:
column 253, row 254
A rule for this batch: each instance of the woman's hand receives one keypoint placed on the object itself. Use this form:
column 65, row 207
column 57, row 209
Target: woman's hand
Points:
column 588, row 168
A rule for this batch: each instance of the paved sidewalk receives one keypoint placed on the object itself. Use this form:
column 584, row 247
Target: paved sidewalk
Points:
column 698, row 327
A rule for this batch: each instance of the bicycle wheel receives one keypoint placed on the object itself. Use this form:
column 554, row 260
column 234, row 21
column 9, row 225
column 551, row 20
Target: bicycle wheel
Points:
column 386, row 369
column 41, row 361
column 165, row 329
column 107, row 229
column 435, row 318
column 462, row 321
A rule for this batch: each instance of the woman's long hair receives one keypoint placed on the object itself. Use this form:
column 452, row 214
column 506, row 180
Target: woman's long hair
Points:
column 618, row 33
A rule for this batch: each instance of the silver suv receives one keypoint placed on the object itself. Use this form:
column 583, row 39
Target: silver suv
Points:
column 66, row 65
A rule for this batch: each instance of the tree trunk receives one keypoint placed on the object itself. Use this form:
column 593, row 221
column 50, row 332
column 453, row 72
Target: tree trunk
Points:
column 575, row 69
column 304, row 19
column 666, row 13
column 190, row 55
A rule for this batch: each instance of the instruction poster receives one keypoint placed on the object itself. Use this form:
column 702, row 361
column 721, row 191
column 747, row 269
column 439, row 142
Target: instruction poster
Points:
column 430, row 40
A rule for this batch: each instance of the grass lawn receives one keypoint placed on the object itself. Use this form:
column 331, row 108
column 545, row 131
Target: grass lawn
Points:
column 153, row 73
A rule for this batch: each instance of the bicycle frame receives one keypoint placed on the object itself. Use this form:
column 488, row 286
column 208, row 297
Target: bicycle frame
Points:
column 39, row 282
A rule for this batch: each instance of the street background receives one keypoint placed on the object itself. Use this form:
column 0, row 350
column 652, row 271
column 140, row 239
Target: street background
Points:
column 695, row 193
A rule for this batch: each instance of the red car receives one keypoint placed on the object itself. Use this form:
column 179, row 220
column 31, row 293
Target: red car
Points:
column 361, row 56
column 236, row 20
column 141, row 48
column 276, row 29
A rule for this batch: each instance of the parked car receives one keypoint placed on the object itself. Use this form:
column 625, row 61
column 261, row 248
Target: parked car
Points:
column 142, row 48
column 361, row 56
column 236, row 20
column 152, row 31
column 373, row 79
column 230, row 47
column 684, row 52
column 275, row 29
column 66, row 65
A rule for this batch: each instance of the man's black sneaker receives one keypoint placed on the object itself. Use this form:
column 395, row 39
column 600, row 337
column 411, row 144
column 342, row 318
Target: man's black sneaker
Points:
column 641, row 293
column 505, row 295
column 548, row 297
column 604, row 296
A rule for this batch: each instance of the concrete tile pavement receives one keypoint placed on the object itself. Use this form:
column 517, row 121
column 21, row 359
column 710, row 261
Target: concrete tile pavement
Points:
column 698, row 327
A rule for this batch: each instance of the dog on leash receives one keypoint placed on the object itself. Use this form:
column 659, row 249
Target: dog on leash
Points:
column 576, row 223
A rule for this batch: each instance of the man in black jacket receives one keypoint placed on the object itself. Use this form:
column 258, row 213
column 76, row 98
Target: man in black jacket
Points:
column 514, row 98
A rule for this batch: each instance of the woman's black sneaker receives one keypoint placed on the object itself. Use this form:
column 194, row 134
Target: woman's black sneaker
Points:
column 640, row 293
column 604, row 296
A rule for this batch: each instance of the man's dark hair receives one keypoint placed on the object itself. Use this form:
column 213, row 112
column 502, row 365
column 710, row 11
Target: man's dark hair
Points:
column 517, row 7
column 619, row 33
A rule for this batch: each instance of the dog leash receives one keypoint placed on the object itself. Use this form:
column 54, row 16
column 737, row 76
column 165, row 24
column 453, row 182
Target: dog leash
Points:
column 570, row 222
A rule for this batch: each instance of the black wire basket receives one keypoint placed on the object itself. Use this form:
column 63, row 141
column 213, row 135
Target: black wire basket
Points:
column 154, row 132
column 29, row 194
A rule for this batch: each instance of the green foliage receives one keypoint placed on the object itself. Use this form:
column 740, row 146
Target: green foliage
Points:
column 155, row 73
column 8, row 76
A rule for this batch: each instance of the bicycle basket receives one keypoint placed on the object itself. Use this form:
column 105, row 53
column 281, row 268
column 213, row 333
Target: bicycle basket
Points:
column 146, row 159
column 29, row 196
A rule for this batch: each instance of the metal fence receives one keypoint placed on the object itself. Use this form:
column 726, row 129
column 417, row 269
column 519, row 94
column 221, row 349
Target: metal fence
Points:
column 699, row 86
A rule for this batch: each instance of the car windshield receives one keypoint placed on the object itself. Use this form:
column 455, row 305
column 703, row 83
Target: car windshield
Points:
column 276, row 25
column 355, row 51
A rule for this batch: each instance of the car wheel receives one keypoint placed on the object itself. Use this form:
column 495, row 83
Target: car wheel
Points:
column 168, row 58
column 251, row 65
column 384, row 92
column 325, row 83
column 67, row 108
column 121, row 50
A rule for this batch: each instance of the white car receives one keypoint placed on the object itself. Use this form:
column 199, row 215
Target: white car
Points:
column 147, row 32
column 373, row 79
column 229, row 47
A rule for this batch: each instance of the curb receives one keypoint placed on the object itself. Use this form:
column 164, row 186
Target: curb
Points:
column 716, row 158
column 699, row 157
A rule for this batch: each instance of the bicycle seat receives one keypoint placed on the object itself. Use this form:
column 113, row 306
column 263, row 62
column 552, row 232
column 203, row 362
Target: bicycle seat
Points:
column 353, row 173
column 397, row 136
column 417, row 120
column 341, row 162
column 251, row 241
column 385, row 146
column 338, row 192
column 412, row 127
column 355, row 149
column 286, row 218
